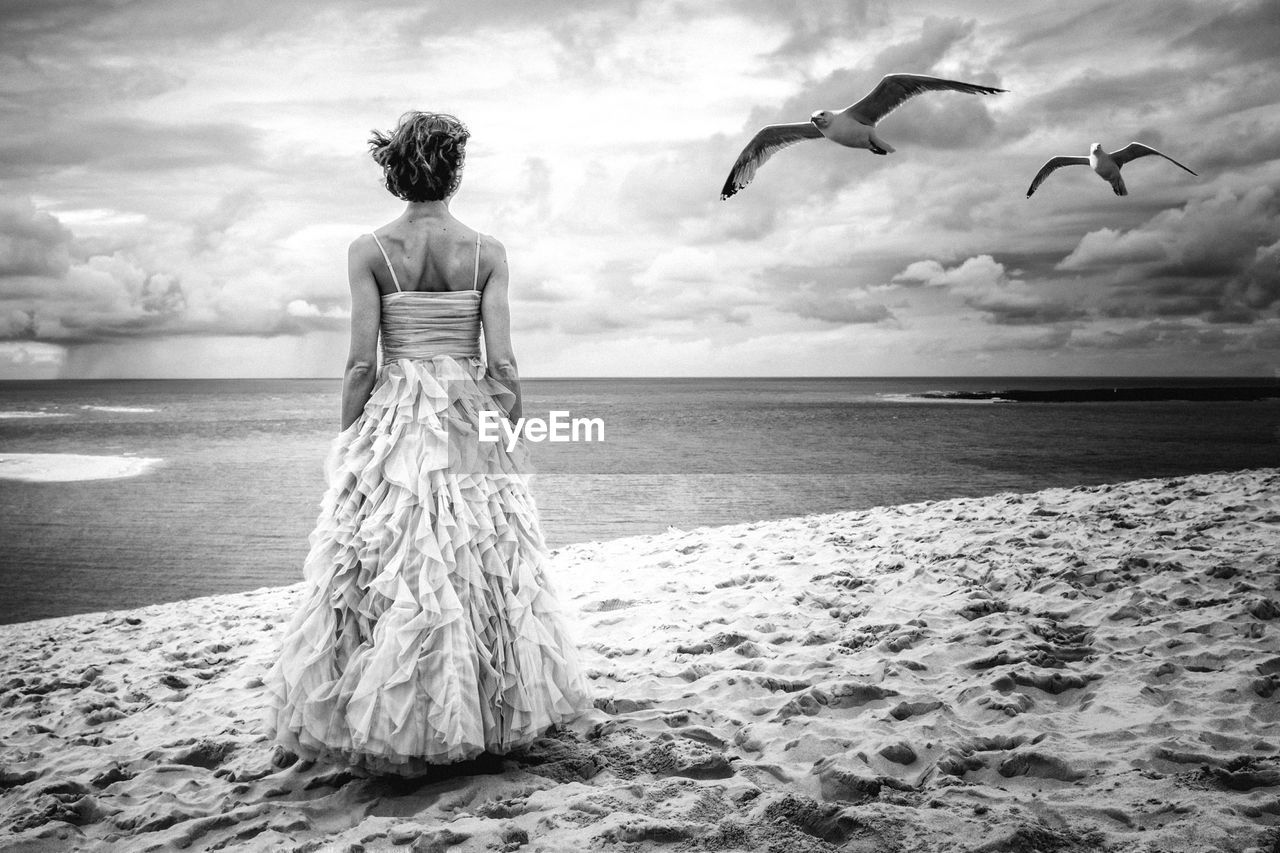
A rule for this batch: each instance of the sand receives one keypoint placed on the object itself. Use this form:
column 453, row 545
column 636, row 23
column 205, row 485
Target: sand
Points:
column 68, row 467
column 1089, row 669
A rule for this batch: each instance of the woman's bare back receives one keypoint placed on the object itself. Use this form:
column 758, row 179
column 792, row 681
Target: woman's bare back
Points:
column 435, row 254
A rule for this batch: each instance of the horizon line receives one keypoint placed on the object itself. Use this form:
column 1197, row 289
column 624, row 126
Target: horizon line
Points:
column 1091, row 376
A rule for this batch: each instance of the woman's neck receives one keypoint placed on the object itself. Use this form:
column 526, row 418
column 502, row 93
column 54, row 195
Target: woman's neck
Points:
column 417, row 210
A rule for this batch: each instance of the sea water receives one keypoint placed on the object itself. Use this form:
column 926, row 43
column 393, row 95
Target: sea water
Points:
column 230, row 502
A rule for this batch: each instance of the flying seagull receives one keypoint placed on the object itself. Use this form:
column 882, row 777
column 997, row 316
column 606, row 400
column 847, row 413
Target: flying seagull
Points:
column 854, row 127
column 1106, row 165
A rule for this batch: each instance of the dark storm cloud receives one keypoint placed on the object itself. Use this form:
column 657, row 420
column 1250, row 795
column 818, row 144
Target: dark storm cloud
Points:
column 1104, row 23
column 1095, row 93
column 1249, row 30
column 1033, row 338
column 104, row 298
column 1138, row 102
column 1257, row 286
column 53, row 288
column 1212, row 258
column 1240, row 144
column 1181, row 336
column 1022, row 306
column 32, row 243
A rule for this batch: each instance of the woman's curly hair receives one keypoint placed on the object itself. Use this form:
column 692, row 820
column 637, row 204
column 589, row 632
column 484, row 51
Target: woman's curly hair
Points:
column 422, row 158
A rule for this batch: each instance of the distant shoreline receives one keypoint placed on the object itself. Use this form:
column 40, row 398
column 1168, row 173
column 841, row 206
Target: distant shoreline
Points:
column 1198, row 394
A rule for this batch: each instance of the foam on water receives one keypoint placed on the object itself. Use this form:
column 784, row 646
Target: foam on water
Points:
column 16, row 416
column 71, row 467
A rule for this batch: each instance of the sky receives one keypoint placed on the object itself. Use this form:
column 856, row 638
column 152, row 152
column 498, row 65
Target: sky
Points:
column 179, row 183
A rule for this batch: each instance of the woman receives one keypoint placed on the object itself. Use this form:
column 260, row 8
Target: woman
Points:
column 428, row 632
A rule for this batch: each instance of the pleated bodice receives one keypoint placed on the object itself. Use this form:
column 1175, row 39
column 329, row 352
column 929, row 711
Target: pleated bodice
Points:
column 426, row 324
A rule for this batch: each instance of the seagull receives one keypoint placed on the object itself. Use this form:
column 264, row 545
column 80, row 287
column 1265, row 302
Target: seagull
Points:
column 1106, row 165
column 854, row 127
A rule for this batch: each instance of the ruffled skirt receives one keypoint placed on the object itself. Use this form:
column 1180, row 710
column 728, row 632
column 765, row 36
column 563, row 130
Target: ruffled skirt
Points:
column 428, row 631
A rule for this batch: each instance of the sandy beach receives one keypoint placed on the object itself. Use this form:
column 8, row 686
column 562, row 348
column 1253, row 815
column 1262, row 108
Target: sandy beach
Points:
column 1071, row 670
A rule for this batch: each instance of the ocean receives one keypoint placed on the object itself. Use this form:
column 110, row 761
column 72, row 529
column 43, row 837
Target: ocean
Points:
column 231, row 505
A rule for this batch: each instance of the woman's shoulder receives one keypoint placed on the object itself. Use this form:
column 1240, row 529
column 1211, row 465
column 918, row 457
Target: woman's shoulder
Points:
column 363, row 246
column 490, row 244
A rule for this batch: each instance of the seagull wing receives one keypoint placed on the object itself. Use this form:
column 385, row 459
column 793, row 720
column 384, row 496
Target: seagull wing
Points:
column 1134, row 150
column 1052, row 166
column 771, row 138
column 894, row 90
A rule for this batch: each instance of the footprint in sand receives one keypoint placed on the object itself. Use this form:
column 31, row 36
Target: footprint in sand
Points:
column 750, row 579
column 608, row 604
column 1038, row 764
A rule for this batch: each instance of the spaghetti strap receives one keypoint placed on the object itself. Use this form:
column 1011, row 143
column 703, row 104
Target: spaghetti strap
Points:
column 390, row 269
column 475, row 278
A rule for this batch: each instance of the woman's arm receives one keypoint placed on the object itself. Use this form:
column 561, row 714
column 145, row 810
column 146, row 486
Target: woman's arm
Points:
column 495, row 314
column 362, row 358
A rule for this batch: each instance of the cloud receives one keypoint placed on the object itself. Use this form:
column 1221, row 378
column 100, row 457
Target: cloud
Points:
column 1181, row 335
column 1213, row 257
column 973, row 274
column 842, row 308
column 127, row 145
column 1240, row 144
column 54, row 288
column 813, row 26
column 210, row 228
column 539, row 290
column 1109, row 247
column 105, row 296
column 917, row 55
column 199, row 171
column 1248, row 30
column 1052, row 339
column 944, row 121
column 1101, row 25
column 1257, row 286
column 1095, row 98
column 336, row 315
column 982, row 283
column 32, row 243
column 935, row 120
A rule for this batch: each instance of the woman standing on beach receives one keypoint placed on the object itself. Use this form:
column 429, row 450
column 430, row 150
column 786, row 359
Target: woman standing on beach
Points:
column 428, row 632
